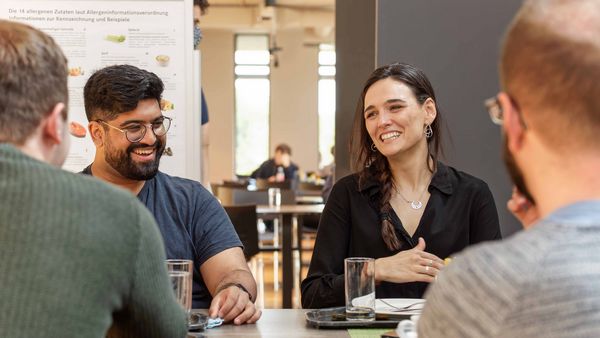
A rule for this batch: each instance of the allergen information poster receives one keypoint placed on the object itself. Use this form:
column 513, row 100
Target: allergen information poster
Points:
column 154, row 35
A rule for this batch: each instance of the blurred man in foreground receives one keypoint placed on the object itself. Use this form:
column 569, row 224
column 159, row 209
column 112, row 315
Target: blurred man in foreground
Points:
column 79, row 258
column 542, row 282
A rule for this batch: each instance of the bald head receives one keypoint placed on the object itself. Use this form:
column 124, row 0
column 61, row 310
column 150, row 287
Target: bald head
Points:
column 550, row 65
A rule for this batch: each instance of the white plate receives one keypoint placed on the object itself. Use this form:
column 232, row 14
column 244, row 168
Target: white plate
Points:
column 382, row 308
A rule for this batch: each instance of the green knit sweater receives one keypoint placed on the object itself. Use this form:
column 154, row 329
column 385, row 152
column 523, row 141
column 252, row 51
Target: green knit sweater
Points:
column 78, row 258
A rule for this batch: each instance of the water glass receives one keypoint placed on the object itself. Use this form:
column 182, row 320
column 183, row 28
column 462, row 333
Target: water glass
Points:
column 274, row 197
column 360, row 288
column 180, row 272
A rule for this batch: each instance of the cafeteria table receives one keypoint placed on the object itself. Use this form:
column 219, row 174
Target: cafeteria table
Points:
column 288, row 213
column 288, row 323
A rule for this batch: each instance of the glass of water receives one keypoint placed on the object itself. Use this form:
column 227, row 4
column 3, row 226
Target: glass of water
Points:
column 274, row 197
column 180, row 272
column 360, row 288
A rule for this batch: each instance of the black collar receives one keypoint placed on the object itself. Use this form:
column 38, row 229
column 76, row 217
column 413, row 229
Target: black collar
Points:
column 442, row 180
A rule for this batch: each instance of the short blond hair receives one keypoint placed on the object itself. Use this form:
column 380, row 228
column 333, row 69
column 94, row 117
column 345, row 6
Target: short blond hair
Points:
column 550, row 64
column 33, row 79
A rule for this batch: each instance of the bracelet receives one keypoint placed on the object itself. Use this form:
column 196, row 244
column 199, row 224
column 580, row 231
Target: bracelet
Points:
column 240, row 286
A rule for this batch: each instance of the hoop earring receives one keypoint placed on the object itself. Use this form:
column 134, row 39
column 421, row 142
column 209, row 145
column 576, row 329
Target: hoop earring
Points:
column 373, row 147
column 428, row 131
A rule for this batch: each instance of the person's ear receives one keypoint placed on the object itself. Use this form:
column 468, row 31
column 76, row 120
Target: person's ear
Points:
column 430, row 111
column 512, row 124
column 54, row 125
column 97, row 133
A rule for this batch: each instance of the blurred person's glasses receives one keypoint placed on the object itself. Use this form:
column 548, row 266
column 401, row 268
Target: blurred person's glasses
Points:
column 135, row 132
column 497, row 114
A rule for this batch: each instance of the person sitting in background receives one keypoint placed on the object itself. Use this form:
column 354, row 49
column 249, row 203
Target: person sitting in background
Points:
column 80, row 258
column 402, row 200
column 129, row 131
column 543, row 282
column 279, row 168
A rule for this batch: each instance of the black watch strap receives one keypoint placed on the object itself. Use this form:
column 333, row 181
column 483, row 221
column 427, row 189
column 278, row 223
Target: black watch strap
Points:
column 242, row 287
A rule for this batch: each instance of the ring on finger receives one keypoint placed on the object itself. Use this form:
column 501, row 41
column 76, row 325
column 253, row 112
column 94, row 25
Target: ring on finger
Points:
column 430, row 263
column 427, row 268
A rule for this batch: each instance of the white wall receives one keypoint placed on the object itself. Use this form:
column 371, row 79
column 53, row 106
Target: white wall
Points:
column 217, row 81
column 294, row 116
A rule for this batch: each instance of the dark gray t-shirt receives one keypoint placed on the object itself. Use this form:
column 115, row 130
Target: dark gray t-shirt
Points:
column 192, row 223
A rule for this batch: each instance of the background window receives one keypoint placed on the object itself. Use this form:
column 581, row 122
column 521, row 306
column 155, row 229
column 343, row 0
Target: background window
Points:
column 252, row 92
column 326, row 102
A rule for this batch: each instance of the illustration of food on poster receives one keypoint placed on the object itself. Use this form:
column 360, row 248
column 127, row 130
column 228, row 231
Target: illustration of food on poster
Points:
column 94, row 34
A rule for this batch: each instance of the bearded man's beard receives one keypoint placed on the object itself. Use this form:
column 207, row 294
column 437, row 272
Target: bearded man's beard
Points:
column 122, row 162
column 516, row 175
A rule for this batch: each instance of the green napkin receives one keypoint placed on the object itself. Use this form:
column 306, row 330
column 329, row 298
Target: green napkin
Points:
column 368, row 333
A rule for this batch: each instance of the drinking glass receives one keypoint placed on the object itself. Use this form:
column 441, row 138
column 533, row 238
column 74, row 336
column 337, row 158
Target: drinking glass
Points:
column 180, row 272
column 360, row 288
column 274, row 197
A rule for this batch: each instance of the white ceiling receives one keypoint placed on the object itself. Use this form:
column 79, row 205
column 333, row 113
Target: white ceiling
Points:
column 316, row 17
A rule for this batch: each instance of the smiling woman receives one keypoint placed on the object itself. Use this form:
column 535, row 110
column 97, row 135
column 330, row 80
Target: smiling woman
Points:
column 402, row 205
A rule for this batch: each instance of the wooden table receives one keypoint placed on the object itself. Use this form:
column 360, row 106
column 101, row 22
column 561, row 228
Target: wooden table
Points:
column 288, row 323
column 288, row 212
column 308, row 199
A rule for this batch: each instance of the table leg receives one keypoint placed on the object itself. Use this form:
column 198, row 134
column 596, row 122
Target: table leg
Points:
column 299, row 225
column 287, row 261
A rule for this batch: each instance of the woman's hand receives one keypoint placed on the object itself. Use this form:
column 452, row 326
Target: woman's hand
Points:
column 525, row 211
column 414, row 265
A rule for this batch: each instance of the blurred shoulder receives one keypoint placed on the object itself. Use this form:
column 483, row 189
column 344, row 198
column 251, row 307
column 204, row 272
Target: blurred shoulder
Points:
column 86, row 186
column 86, row 197
column 484, row 283
column 510, row 259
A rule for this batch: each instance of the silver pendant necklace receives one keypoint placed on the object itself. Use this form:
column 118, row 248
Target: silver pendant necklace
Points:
column 415, row 204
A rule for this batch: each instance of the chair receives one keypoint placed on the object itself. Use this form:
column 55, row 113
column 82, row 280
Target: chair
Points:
column 244, row 220
column 236, row 196
column 263, row 184
column 224, row 197
column 214, row 188
column 235, row 184
column 309, row 186
column 243, row 196
column 222, row 193
column 309, row 189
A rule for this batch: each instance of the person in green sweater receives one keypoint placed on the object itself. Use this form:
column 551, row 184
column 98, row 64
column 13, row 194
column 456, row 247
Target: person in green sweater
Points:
column 79, row 258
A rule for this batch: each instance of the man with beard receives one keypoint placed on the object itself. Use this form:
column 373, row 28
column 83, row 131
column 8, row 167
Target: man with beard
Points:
column 543, row 282
column 80, row 258
column 122, row 104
